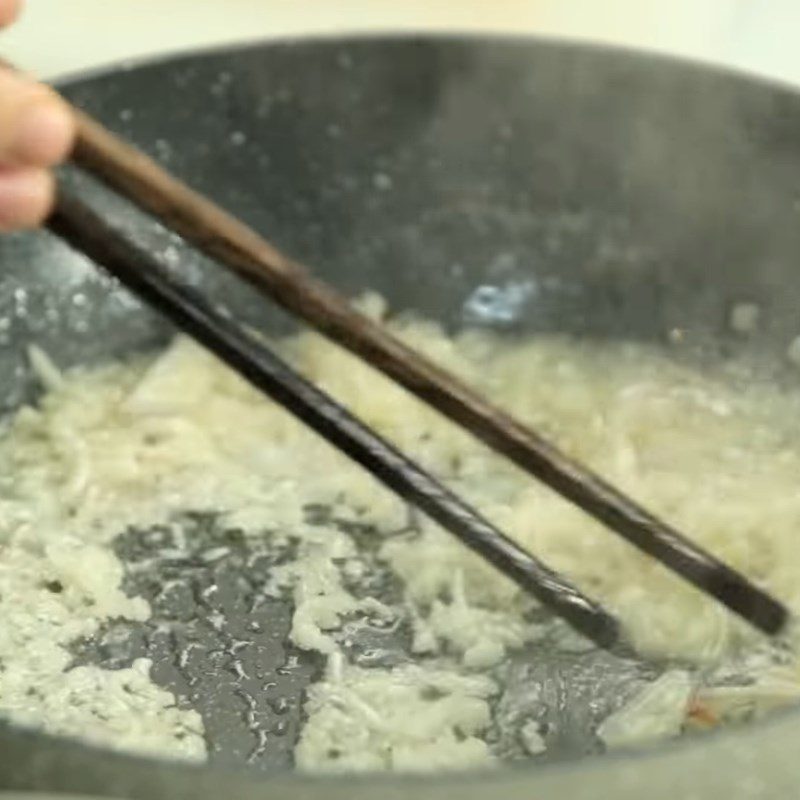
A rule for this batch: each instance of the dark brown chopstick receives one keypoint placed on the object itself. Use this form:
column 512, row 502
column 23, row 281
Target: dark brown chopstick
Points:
column 84, row 229
column 223, row 237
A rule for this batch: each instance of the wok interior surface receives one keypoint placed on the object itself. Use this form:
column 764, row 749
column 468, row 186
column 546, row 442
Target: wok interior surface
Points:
column 525, row 186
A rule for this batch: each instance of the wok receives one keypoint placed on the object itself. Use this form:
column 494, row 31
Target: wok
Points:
column 524, row 185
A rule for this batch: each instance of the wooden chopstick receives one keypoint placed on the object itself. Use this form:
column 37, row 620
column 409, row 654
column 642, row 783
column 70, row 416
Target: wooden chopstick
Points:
column 79, row 225
column 228, row 240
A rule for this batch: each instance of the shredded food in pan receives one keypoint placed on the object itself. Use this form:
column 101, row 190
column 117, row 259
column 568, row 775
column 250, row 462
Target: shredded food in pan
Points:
column 138, row 443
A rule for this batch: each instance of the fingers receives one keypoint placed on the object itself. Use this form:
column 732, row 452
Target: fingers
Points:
column 44, row 129
column 26, row 197
column 9, row 11
column 36, row 128
column 36, row 132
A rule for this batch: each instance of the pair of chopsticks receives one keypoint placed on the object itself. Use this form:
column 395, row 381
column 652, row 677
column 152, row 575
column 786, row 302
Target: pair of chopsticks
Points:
column 229, row 241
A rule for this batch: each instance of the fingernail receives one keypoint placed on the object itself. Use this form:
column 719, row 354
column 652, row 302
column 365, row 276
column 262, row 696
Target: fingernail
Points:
column 44, row 132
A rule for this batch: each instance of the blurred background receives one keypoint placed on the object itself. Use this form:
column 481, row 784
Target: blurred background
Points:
column 58, row 37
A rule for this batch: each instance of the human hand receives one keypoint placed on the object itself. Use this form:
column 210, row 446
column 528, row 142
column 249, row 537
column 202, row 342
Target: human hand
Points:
column 36, row 132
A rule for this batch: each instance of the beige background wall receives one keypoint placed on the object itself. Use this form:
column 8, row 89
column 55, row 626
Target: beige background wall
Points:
column 61, row 36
